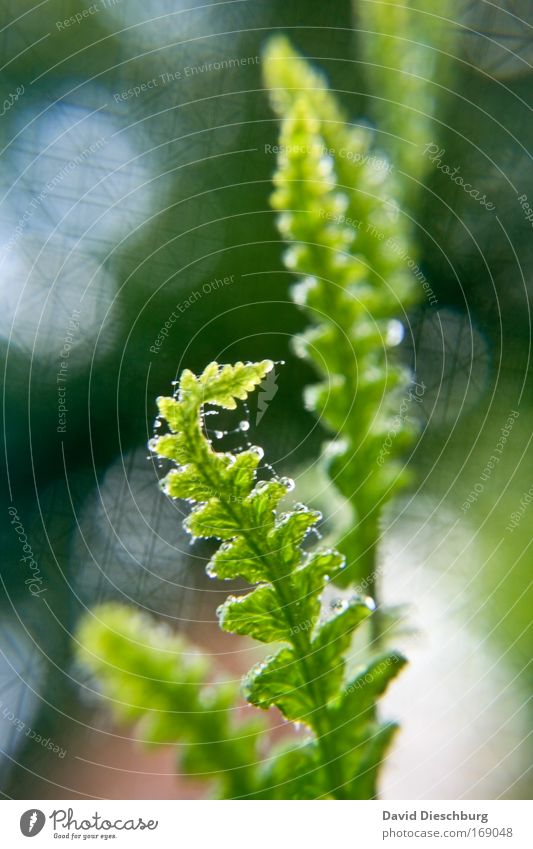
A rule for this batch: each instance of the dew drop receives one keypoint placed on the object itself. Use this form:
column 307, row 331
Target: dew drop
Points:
column 325, row 165
column 219, row 434
column 291, row 258
column 288, row 483
column 244, row 425
column 301, row 290
column 395, row 332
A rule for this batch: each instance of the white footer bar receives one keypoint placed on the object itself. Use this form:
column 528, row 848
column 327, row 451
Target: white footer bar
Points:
column 267, row 825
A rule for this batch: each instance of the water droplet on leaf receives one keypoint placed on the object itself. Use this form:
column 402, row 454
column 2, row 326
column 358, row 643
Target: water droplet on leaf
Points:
column 288, row 483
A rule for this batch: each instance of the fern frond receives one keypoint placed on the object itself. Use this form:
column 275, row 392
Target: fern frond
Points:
column 338, row 210
column 407, row 48
column 154, row 678
column 262, row 543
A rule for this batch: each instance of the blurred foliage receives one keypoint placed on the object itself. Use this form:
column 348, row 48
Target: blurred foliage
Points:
column 348, row 239
column 162, row 683
column 407, row 48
